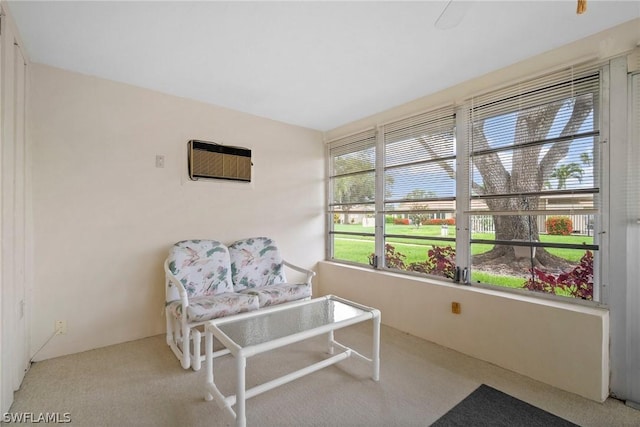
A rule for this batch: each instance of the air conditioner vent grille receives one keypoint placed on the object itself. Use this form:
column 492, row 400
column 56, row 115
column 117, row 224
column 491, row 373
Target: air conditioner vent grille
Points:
column 211, row 160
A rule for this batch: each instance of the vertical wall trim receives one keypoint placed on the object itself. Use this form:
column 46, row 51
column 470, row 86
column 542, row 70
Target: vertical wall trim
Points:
column 380, row 181
column 15, row 221
column 616, row 279
column 6, row 394
column 21, row 356
column 463, row 186
column 633, row 245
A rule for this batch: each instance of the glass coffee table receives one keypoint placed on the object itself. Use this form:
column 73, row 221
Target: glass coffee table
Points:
column 249, row 334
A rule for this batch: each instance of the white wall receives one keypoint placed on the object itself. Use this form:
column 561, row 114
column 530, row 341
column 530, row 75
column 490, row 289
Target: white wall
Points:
column 557, row 343
column 105, row 216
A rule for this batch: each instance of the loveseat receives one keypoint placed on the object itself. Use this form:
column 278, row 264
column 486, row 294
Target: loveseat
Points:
column 205, row 279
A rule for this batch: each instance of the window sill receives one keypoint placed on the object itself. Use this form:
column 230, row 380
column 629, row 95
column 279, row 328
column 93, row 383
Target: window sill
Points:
column 547, row 300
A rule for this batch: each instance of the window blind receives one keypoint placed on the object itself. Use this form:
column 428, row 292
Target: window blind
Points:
column 420, row 163
column 352, row 172
column 534, row 146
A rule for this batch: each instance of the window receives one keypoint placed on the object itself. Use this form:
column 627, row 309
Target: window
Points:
column 534, row 157
column 502, row 191
column 352, row 196
column 420, row 194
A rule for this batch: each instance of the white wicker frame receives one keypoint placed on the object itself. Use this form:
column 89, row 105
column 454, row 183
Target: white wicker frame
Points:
column 182, row 334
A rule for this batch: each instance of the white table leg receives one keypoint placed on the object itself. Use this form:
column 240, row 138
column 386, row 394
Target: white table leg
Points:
column 241, row 416
column 376, row 347
column 330, row 339
column 208, row 348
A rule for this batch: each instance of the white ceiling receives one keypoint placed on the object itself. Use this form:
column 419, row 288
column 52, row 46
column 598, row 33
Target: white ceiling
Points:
column 313, row 64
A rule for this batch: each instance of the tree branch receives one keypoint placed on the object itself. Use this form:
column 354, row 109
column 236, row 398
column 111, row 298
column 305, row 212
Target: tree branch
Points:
column 493, row 172
column 581, row 109
column 443, row 164
column 446, row 167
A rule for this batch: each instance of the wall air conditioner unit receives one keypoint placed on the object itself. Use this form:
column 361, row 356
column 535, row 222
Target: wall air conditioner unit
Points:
column 216, row 161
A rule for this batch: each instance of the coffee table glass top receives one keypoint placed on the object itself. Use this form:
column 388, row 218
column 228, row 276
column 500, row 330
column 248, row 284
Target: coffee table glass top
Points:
column 270, row 326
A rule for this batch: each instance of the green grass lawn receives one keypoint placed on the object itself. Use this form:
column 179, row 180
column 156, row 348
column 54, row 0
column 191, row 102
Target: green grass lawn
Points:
column 493, row 279
column 416, row 249
column 358, row 248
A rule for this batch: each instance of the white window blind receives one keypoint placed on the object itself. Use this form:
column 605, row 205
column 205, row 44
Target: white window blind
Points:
column 534, row 146
column 352, row 197
column 420, row 193
column 352, row 173
column 420, row 163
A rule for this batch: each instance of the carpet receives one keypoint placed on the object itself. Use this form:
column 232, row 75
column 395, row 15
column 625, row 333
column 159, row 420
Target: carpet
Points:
column 487, row 406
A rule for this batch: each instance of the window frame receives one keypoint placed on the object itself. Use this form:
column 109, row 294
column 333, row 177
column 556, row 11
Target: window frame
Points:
column 334, row 148
column 429, row 122
column 594, row 76
column 463, row 213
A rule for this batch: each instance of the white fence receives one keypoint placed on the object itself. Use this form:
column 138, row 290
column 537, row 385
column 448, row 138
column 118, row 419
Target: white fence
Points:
column 582, row 224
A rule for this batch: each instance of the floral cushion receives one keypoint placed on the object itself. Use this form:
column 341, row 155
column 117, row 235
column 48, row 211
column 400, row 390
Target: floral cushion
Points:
column 210, row 307
column 255, row 263
column 278, row 294
column 202, row 266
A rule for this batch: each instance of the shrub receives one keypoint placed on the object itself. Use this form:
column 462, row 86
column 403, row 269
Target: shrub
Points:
column 392, row 258
column 401, row 221
column 559, row 225
column 388, row 219
column 440, row 261
column 577, row 283
column 438, row 221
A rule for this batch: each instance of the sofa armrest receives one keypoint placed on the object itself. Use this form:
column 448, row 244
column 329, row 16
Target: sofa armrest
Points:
column 171, row 279
column 309, row 273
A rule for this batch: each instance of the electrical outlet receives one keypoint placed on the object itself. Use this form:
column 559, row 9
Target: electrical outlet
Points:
column 159, row 161
column 61, row 327
column 455, row 307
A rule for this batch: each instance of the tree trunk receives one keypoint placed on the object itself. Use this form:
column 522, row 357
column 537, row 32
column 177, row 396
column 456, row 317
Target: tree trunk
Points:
column 529, row 170
column 522, row 228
